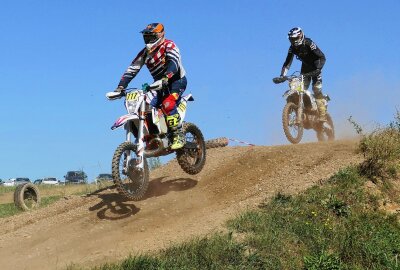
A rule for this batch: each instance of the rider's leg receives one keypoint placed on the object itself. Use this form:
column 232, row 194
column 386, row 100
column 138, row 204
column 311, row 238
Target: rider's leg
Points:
column 319, row 97
column 173, row 119
column 307, row 82
column 307, row 79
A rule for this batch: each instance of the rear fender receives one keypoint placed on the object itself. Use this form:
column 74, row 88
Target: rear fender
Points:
column 123, row 119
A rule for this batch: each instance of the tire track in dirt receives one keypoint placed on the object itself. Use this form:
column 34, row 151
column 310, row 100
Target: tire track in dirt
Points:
column 104, row 227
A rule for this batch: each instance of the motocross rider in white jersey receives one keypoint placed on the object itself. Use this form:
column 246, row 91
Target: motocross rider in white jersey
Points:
column 163, row 59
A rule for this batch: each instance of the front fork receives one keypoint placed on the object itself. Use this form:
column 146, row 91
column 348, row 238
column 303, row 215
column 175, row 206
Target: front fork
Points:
column 300, row 110
column 139, row 142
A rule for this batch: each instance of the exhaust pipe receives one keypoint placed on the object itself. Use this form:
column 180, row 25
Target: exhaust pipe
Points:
column 155, row 152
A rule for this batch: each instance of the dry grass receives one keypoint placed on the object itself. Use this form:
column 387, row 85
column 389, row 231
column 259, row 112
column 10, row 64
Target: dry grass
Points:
column 381, row 150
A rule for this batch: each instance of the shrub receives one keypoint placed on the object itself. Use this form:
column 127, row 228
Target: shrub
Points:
column 381, row 149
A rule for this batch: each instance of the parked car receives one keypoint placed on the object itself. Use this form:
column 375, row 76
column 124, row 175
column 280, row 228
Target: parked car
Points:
column 16, row 181
column 104, row 177
column 37, row 181
column 75, row 177
column 47, row 181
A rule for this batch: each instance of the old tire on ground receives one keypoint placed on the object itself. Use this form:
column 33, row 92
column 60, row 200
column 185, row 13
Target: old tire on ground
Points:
column 130, row 183
column 289, row 117
column 326, row 134
column 218, row 142
column 27, row 196
column 192, row 156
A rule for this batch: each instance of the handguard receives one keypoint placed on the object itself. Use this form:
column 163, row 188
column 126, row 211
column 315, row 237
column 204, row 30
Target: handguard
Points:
column 115, row 95
column 279, row 79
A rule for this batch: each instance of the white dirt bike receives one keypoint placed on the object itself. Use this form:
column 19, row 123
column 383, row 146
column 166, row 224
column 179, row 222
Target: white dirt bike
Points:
column 148, row 126
column 301, row 112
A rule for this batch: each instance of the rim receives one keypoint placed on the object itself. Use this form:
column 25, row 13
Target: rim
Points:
column 30, row 198
column 131, row 179
column 193, row 156
column 292, row 126
column 327, row 132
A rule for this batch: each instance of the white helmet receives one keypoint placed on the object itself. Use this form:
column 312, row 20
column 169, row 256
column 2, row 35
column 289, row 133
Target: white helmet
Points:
column 296, row 36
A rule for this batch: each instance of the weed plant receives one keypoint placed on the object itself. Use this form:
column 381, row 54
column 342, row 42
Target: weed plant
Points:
column 381, row 149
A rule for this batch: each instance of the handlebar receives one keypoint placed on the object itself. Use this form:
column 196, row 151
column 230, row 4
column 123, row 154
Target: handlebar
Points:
column 155, row 86
column 281, row 79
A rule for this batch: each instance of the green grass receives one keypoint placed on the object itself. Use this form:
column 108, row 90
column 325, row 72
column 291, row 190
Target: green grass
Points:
column 9, row 209
column 4, row 189
column 329, row 227
column 52, row 193
column 333, row 226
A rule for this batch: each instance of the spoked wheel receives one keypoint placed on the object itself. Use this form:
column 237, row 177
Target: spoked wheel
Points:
column 192, row 156
column 291, row 123
column 130, row 182
column 27, row 197
column 326, row 132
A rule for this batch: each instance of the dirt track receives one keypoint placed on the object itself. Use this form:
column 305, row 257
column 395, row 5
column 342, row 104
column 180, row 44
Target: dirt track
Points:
column 104, row 227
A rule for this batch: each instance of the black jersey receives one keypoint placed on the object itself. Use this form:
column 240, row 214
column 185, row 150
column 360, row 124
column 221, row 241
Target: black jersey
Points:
column 309, row 54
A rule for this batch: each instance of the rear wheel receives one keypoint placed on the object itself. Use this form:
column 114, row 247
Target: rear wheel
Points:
column 326, row 132
column 291, row 123
column 129, row 180
column 192, row 156
column 27, row 197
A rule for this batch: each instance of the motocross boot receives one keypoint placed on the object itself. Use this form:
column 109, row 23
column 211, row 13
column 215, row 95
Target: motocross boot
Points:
column 321, row 110
column 177, row 137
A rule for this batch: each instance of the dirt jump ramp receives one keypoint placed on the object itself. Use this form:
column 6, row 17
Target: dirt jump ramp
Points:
column 105, row 227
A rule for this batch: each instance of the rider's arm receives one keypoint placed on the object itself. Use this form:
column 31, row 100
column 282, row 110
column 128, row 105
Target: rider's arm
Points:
column 320, row 62
column 133, row 69
column 288, row 62
column 173, row 60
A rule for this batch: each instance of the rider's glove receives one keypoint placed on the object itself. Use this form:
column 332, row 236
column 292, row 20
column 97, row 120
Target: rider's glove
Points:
column 164, row 82
column 119, row 89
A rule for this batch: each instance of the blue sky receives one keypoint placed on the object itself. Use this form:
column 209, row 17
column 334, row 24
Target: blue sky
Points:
column 59, row 58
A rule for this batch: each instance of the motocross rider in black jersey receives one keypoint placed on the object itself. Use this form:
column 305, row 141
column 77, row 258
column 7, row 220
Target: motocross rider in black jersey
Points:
column 313, row 60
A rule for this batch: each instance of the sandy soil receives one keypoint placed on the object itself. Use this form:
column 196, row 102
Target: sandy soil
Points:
column 104, row 227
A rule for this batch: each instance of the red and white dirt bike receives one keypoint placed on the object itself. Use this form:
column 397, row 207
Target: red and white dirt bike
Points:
column 300, row 111
column 151, row 139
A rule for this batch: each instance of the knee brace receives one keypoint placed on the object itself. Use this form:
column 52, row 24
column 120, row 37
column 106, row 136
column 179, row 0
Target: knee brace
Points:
column 317, row 89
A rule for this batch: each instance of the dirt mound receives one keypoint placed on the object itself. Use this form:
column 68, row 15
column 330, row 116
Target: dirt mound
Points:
column 104, row 227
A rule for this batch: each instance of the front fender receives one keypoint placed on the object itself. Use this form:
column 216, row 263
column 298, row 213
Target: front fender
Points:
column 123, row 119
column 288, row 93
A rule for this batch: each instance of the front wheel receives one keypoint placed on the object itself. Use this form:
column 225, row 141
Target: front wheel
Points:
column 129, row 180
column 326, row 132
column 192, row 156
column 291, row 122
